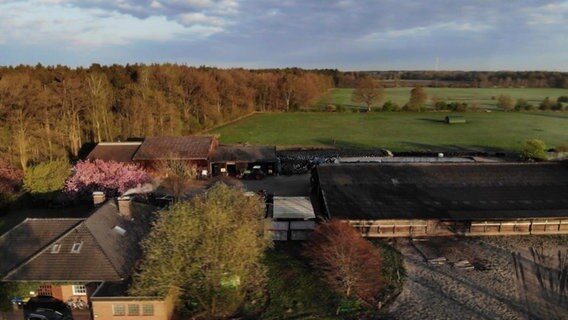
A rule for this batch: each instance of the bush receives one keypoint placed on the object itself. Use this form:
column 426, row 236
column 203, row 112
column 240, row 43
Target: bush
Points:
column 46, row 178
column 505, row 102
column 391, row 106
column 340, row 109
column 562, row 147
column 562, row 99
column 547, row 104
column 534, row 149
column 347, row 262
column 330, row 108
column 441, row 105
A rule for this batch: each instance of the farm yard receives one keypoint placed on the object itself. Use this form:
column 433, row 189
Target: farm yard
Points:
column 399, row 131
column 483, row 97
column 483, row 278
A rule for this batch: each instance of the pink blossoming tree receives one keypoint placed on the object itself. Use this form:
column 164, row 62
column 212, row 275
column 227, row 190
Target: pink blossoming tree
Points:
column 107, row 176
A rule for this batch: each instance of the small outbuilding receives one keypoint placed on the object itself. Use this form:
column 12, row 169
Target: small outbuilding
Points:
column 234, row 159
column 455, row 119
column 292, row 218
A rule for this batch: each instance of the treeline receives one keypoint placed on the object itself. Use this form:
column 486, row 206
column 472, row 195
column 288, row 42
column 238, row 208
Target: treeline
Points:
column 50, row 112
column 474, row 79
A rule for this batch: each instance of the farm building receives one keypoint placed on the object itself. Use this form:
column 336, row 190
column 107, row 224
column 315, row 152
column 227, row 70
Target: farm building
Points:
column 422, row 199
column 80, row 258
column 195, row 150
column 204, row 152
column 291, row 218
column 114, row 151
column 233, row 159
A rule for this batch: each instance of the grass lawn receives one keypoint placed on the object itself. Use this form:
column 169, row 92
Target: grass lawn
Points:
column 481, row 96
column 296, row 291
column 399, row 131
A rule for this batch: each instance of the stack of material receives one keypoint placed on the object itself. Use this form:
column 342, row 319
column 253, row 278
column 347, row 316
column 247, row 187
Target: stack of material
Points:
column 464, row 265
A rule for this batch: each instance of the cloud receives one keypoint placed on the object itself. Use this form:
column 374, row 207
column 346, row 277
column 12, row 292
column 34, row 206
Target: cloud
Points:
column 345, row 34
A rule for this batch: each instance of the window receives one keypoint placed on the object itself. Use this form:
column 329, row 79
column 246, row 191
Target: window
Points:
column 79, row 290
column 133, row 310
column 147, row 309
column 44, row 290
column 76, row 247
column 55, row 248
column 118, row 310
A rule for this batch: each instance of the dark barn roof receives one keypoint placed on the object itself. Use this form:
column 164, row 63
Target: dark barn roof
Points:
column 114, row 151
column 175, row 148
column 444, row 191
column 245, row 153
column 105, row 254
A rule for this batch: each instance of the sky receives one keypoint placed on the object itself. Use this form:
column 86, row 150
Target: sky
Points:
column 336, row 34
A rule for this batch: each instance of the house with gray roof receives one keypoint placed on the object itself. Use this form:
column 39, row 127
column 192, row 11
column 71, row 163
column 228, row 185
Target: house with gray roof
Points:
column 73, row 258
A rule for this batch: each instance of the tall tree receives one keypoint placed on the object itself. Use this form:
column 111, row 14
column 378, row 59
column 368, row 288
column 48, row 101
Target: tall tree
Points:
column 418, row 99
column 210, row 248
column 369, row 92
column 100, row 98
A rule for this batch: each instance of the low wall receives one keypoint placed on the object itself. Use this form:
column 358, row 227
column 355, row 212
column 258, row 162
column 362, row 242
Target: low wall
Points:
column 418, row 228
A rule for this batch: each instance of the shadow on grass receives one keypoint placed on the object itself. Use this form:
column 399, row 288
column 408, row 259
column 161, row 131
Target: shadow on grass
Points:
column 343, row 144
column 557, row 115
column 420, row 147
column 441, row 121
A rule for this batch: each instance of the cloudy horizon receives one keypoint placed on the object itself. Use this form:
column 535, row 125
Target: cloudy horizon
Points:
column 344, row 35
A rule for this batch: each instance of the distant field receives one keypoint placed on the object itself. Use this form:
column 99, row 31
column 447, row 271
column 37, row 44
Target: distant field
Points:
column 399, row 131
column 481, row 96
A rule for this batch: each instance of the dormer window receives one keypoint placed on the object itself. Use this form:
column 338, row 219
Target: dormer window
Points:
column 55, row 248
column 76, row 248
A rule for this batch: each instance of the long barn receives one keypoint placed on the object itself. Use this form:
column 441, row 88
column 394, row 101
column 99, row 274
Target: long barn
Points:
column 424, row 199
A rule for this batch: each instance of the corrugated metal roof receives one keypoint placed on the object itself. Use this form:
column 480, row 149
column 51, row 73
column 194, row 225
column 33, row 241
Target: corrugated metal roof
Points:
column 457, row 191
column 293, row 208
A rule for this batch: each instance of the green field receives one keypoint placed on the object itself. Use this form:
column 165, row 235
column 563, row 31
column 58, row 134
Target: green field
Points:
column 484, row 97
column 399, row 131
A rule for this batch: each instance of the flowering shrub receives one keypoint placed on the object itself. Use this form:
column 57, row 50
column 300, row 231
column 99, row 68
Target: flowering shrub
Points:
column 107, row 176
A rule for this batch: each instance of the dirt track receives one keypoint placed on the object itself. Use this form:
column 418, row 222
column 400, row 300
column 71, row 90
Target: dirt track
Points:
column 444, row 291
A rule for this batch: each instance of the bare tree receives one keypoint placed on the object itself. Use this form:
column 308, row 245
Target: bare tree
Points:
column 368, row 92
column 349, row 263
column 176, row 176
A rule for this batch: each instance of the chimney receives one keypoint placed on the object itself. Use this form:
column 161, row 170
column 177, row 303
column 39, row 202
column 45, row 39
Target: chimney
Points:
column 98, row 198
column 125, row 207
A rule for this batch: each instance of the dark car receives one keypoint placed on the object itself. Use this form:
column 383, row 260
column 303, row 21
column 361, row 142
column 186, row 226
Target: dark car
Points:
column 46, row 308
column 255, row 174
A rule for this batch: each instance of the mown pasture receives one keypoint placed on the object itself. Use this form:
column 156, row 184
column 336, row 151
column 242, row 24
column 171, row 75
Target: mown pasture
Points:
column 399, row 131
column 483, row 97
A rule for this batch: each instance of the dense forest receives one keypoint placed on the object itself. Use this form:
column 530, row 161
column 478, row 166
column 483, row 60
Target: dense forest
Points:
column 51, row 112
column 474, row 79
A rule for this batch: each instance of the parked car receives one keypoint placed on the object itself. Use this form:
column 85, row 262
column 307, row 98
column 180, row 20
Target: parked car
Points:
column 255, row 174
column 46, row 308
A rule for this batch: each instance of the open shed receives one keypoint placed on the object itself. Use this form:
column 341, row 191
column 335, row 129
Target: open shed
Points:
column 234, row 159
column 455, row 119
column 293, row 218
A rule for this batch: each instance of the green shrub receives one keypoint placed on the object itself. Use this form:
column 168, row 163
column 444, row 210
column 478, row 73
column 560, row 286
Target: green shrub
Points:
column 340, row 109
column 534, row 149
column 46, row 178
column 391, row 106
column 547, row 104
